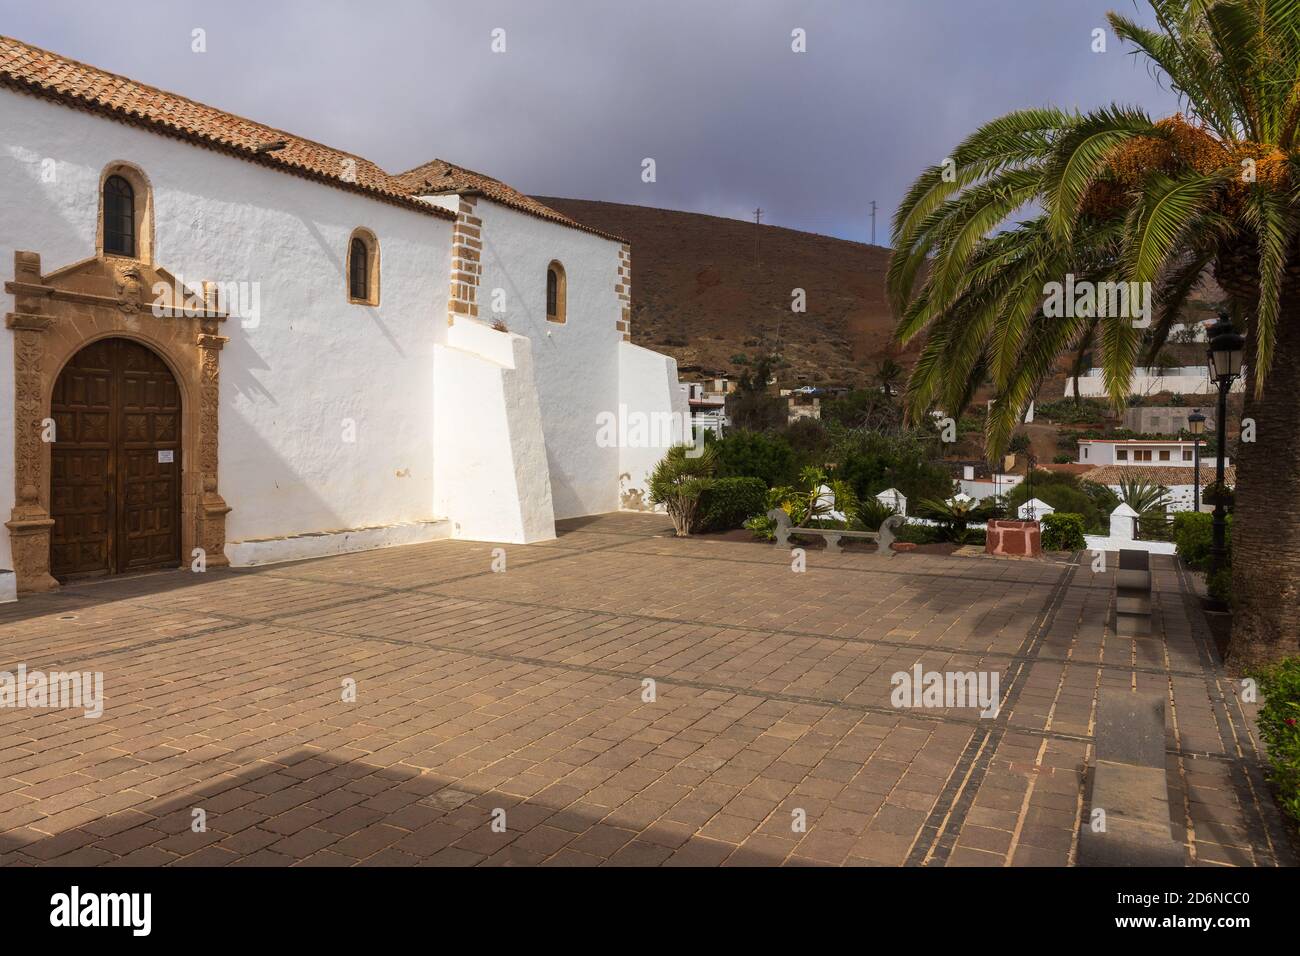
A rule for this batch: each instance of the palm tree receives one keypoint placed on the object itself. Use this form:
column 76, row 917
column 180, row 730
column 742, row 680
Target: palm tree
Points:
column 678, row 482
column 888, row 372
column 1142, row 494
column 1117, row 196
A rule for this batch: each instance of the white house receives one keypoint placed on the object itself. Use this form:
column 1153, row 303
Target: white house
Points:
column 227, row 344
column 1183, row 380
column 1171, row 464
column 1140, row 451
column 708, row 409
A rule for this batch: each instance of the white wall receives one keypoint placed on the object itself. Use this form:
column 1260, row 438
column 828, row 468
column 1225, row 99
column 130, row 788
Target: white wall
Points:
column 647, row 386
column 575, row 365
column 1191, row 380
column 491, row 472
column 313, row 361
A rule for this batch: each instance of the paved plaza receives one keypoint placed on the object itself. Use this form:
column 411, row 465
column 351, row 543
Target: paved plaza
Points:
column 613, row 696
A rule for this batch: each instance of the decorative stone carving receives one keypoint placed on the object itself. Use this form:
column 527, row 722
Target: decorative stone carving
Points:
column 58, row 314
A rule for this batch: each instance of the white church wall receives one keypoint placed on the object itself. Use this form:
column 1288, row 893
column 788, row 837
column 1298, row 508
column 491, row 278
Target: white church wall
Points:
column 491, row 473
column 313, row 365
column 575, row 364
column 648, row 388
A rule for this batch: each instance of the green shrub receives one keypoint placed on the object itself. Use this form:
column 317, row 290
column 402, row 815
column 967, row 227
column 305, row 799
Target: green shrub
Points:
column 1193, row 534
column 912, row 533
column 754, row 454
column 809, row 441
column 1219, row 586
column 729, row 501
column 1279, row 723
column 1063, row 531
column 872, row 462
column 1066, row 411
column 1155, row 526
column 1062, row 459
column 1106, row 502
column 1065, row 493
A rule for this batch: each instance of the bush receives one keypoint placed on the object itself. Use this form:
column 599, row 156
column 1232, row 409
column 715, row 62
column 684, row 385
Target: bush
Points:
column 1155, row 526
column 1067, row 494
column 1066, row 411
column 1279, row 724
column 912, row 533
column 1193, row 534
column 1063, row 531
column 1062, row 459
column 727, row 502
column 809, row 441
column 863, row 408
column 1219, row 586
column 752, row 454
column 872, row 462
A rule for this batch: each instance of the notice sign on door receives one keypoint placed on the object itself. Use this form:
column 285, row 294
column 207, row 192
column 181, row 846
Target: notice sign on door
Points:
column 165, row 457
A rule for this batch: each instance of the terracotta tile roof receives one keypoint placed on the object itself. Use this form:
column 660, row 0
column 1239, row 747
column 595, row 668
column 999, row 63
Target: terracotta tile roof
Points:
column 439, row 177
column 1068, row 467
column 1162, row 474
column 41, row 73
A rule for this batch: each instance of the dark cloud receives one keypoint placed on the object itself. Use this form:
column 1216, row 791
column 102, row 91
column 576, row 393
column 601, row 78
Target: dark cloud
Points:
column 588, row 88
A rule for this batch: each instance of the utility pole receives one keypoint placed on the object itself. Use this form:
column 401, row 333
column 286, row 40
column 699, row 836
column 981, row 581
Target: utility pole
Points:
column 758, row 221
column 873, row 222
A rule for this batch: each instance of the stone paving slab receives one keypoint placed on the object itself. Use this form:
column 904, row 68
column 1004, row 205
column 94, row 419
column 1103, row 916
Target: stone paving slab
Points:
column 520, row 697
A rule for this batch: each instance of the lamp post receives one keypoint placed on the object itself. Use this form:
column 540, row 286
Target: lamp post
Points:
column 1196, row 425
column 1225, row 352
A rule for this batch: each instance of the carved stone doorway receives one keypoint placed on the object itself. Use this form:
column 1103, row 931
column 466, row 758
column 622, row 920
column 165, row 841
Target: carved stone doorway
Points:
column 59, row 314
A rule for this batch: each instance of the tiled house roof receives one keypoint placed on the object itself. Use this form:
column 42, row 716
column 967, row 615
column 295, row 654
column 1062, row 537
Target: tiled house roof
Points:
column 32, row 70
column 439, row 176
column 1160, row 474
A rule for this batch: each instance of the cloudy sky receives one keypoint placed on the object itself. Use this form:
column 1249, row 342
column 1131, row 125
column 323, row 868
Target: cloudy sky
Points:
column 587, row 89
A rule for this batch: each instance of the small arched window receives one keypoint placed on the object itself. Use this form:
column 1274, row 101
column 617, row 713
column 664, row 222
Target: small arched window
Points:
column 363, row 268
column 119, row 217
column 555, row 293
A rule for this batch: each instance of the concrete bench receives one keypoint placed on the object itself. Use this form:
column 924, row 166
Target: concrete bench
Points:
column 1133, row 593
column 1128, row 786
column 832, row 536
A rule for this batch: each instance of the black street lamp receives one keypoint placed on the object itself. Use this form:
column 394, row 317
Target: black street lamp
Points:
column 1225, row 353
column 1196, row 425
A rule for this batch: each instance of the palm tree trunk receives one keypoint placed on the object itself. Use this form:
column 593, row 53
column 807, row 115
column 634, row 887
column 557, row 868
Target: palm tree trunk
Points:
column 1266, row 519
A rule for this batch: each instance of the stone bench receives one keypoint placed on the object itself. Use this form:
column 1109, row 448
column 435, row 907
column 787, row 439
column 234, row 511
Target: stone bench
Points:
column 1128, row 785
column 832, row 536
column 1133, row 593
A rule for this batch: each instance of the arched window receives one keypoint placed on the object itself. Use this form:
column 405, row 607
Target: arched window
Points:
column 363, row 268
column 119, row 217
column 555, row 293
column 125, row 213
column 360, row 288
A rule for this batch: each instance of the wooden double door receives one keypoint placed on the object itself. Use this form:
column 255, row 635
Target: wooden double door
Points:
column 115, row 462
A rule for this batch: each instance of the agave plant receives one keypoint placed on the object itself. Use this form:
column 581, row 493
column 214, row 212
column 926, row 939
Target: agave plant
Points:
column 1120, row 196
column 679, row 480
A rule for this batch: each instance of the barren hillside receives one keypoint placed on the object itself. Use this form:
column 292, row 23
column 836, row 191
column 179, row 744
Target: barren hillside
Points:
column 703, row 293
